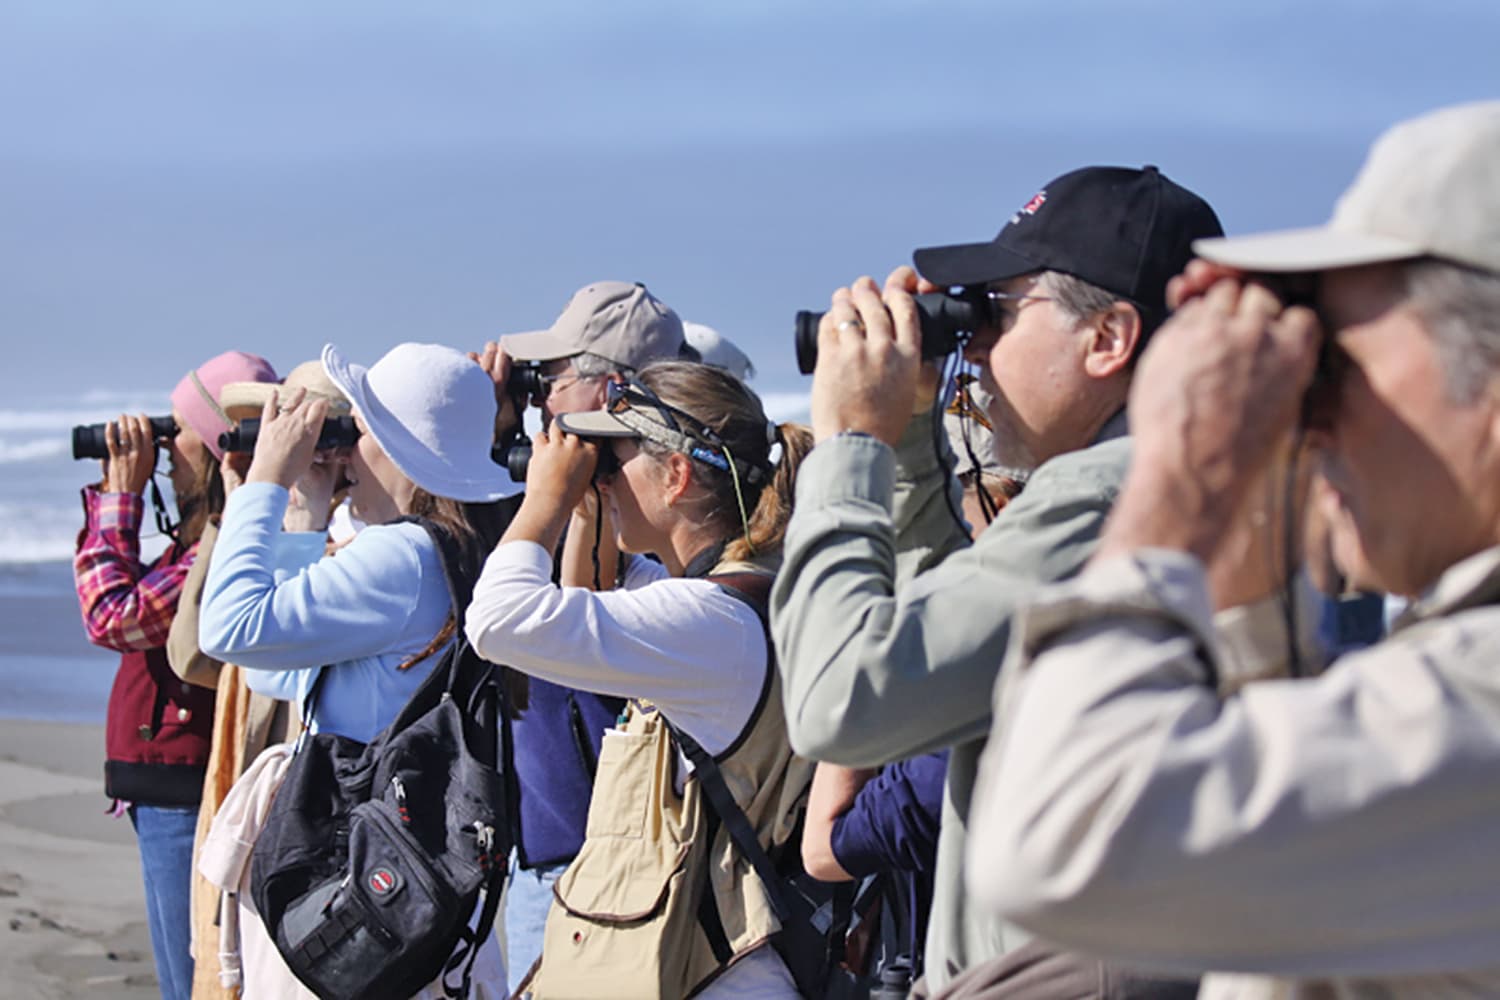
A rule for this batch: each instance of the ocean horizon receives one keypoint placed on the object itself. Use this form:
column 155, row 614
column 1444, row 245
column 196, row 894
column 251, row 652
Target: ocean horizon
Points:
column 48, row 669
column 40, row 512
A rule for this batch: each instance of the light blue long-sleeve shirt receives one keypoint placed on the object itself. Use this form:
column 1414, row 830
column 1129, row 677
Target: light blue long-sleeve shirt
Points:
column 376, row 602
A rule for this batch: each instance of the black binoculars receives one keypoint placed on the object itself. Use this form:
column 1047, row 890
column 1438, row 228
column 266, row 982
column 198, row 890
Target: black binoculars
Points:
column 524, row 383
column 514, row 455
column 946, row 320
column 337, row 432
column 89, row 440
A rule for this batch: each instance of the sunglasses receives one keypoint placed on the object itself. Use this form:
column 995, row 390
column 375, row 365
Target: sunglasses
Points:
column 703, row 442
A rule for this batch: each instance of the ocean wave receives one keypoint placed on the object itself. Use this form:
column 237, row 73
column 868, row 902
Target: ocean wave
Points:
column 47, row 532
column 31, row 451
column 83, row 411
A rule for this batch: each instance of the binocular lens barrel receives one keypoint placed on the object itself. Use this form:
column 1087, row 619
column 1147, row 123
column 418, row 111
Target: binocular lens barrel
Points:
column 337, row 432
column 515, row 456
column 89, row 440
column 946, row 321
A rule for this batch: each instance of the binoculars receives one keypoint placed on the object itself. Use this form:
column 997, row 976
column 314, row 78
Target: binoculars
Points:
column 946, row 320
column 337, row 432
column 89, row 440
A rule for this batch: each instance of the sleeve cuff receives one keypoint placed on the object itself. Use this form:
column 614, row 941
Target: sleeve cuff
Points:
column 522, row 555
column 916, row 458
column 257, row 500
column 847, row 467
column 1159, row 584
column 113, row 511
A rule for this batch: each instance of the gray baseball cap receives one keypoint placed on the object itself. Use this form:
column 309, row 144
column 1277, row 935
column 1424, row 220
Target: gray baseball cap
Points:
column 617, row 320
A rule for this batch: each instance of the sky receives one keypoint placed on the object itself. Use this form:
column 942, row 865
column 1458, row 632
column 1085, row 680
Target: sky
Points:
column 180, row 178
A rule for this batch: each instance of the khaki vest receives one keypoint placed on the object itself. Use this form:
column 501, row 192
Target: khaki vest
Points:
column 624, row 922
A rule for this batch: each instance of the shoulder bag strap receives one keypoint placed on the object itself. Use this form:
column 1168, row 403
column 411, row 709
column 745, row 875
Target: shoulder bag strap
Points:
column 711, row 780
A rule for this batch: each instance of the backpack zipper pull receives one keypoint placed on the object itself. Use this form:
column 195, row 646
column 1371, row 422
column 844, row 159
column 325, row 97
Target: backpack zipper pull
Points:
column 485, row 837
column 400, row 789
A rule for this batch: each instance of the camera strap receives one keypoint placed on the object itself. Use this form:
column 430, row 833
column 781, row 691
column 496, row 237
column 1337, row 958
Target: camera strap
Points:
column 164, row 522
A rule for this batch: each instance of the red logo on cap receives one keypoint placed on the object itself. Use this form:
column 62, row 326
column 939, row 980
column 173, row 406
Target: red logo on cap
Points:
column 382, row 881
column 1037, row 201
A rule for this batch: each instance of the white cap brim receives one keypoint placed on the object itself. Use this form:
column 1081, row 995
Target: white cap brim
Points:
column 1318, row 248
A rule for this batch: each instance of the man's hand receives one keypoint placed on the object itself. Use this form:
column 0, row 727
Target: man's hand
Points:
column 869, row 360
column 132, row 454
column 930, row 378
column 497, row 364
column 1196, row 279
column 288, row 439
column 1217, row 390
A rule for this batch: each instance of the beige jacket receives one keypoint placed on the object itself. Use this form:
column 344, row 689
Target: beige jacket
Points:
column 1325, row 837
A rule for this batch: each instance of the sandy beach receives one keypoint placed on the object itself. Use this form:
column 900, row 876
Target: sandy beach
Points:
column 70, row 880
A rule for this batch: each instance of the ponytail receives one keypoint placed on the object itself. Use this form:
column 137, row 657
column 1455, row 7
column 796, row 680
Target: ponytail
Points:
column 767, row 524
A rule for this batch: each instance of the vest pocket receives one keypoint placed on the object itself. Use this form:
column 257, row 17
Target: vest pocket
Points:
column 622, row 788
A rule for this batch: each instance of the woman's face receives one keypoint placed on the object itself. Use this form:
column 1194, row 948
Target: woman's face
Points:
column 634, row 495
column 188, row 458
column 378, row 490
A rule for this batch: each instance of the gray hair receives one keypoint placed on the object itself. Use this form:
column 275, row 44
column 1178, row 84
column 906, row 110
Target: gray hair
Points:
column 594, row 365
column 1459, row 306
column 1076, row 297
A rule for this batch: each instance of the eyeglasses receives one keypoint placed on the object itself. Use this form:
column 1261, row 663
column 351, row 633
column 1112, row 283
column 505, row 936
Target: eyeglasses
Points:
column 1004, row 317
column 548, row 383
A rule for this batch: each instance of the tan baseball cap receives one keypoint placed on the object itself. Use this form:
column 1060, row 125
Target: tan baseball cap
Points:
column 618, row 320
column 1430, row 187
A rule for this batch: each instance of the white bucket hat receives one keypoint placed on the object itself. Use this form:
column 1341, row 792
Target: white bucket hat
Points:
column 432, row 411
column 1430, row 187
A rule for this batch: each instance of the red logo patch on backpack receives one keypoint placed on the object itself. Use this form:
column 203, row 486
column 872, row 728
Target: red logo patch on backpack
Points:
column 383, row 881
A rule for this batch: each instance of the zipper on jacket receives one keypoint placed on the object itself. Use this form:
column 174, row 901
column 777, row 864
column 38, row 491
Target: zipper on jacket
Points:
column 581, row 739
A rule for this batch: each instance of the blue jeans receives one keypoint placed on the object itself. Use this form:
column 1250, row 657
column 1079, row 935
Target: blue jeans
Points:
column 528, row 897
column 164, row 835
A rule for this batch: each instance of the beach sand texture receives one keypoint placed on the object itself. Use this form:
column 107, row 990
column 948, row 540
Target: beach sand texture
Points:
column 72, row 912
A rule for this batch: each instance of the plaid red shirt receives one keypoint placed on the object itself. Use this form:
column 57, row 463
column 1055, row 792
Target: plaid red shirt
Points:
column 126, row 604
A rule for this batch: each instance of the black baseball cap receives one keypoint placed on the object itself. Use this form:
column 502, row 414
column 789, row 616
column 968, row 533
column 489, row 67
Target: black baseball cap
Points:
column 1123, row 230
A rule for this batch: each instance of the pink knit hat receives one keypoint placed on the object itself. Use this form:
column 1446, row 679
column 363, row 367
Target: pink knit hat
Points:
column 196, row 398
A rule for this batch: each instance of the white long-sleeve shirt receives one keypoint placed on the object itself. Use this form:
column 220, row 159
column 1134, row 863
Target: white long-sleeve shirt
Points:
column 684, row 645
column 1335, row 836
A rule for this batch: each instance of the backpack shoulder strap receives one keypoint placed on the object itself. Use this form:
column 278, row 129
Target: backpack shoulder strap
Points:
column 753, row 588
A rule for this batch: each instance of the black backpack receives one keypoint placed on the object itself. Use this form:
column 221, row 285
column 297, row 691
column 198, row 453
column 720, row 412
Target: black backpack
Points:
column 373, row 856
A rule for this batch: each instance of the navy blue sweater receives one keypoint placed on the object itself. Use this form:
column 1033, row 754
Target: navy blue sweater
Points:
column 553, row 748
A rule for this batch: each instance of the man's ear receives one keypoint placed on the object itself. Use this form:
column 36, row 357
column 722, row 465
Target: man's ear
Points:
column 1113, row 337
